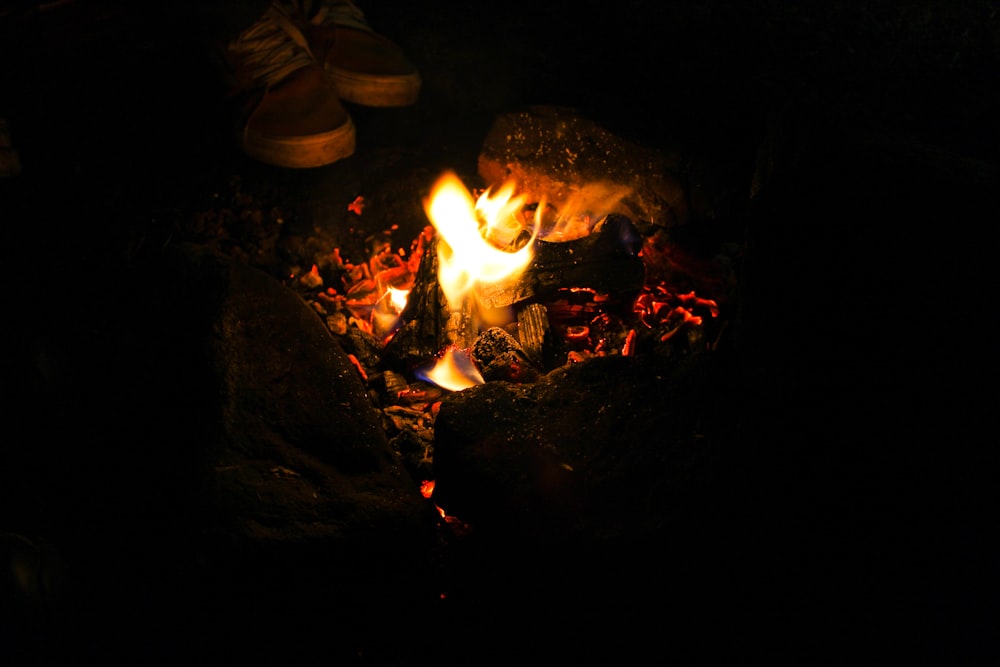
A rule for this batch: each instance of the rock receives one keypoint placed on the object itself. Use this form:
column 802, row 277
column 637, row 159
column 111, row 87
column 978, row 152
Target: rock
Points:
column 299, row 451
column 557, row 156
column 603, row 451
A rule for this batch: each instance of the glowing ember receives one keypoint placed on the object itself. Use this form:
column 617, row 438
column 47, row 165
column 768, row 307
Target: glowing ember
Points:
column 658, row 307
column 376, row 291
column 427, row 490
column 454, row 371
column 357, row 206
column 467, row 235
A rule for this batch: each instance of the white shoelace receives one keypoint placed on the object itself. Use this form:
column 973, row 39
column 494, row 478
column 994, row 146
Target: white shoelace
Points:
column 337, row 12
column 272, row 48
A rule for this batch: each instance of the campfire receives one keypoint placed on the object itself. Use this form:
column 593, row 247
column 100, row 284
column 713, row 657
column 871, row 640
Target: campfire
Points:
column 500, row 288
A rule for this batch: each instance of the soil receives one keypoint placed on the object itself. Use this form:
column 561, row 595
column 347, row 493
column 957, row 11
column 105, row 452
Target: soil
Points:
column 852, row 523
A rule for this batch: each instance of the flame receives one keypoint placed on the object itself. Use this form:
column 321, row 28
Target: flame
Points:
column 579, row 213
column 385, row 314
column 398, row 298
column 468, row 252
column 454, row 371
column 500, row 213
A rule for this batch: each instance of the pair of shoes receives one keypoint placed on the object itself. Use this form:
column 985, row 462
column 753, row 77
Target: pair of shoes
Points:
column 292, row 114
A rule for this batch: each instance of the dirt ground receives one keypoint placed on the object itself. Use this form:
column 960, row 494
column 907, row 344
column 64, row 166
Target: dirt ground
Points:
column 865, row 289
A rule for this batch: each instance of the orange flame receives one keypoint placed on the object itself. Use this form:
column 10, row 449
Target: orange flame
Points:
column 454, row 371
column 385, row 314
column 466, row 255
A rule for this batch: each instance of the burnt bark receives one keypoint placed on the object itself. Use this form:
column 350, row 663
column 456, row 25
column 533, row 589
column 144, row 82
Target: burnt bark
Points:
column 424, row 318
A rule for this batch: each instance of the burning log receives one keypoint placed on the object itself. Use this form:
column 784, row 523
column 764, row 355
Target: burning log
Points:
column 571, row 280
column 426, row 318
column 499, row 356
column 605, row 261
column 533, row 332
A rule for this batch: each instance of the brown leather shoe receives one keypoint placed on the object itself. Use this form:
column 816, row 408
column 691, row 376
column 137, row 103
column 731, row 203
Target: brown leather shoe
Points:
column 366, row 68
column 292, row 116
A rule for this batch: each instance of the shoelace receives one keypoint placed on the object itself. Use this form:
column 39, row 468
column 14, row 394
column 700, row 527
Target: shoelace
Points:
column 273, row 47
column 337, row 12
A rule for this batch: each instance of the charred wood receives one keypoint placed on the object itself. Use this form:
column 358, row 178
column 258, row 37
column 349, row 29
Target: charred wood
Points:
column 499, row 356
column 606, row 261
column 534, row 333
column 426, row 318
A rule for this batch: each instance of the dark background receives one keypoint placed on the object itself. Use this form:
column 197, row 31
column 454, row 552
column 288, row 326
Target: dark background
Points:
column 864, row 473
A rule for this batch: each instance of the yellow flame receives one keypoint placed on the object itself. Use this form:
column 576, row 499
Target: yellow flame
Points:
column 386, row 311
column 465, row 256
column 499, row 212
column 398, row 298
column 454, row 371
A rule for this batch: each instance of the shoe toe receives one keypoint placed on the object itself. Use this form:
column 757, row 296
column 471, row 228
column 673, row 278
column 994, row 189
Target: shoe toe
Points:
column 371, row 70
column 300, row 123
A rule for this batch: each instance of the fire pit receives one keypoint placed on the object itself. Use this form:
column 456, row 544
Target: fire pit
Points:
column 547, row 305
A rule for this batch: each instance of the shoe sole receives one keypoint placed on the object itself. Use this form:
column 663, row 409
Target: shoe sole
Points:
column 371, row 90
column 316, row 150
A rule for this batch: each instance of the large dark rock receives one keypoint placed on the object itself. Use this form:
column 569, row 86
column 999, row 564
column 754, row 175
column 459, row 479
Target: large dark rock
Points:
column 558, row 156
column 610, row 450
column 294, row 446
column 296, row 462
